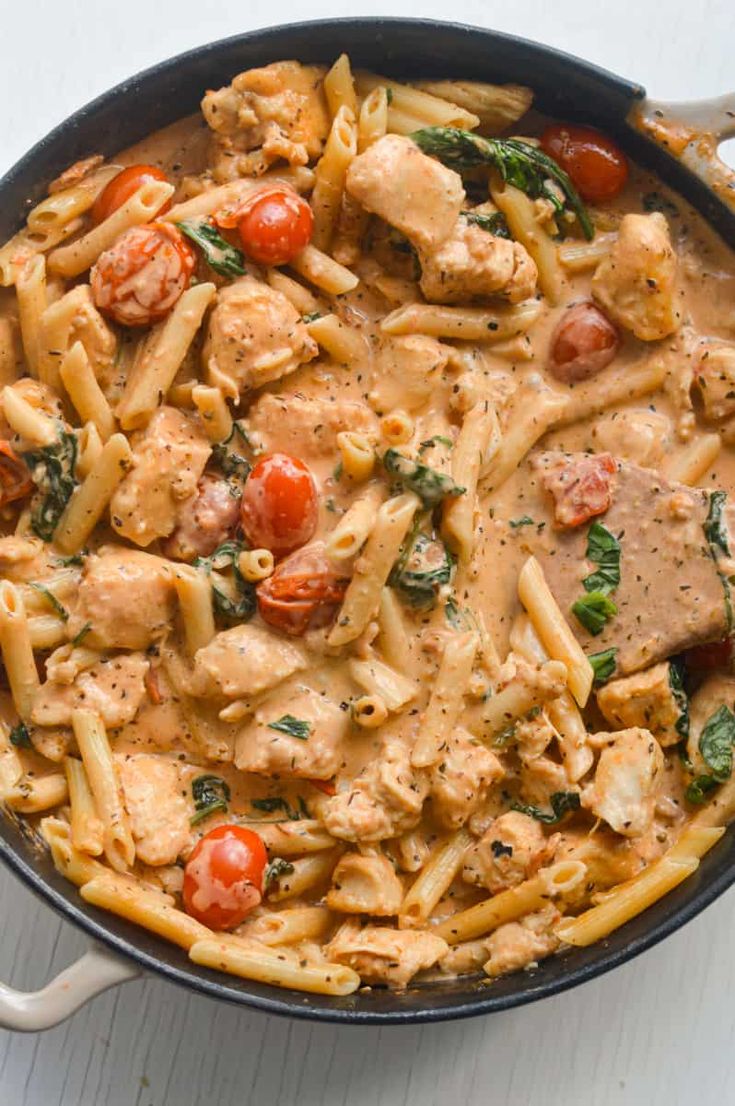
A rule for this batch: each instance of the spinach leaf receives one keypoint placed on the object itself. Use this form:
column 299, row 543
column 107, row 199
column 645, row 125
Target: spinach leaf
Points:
column 424, row 566
column 604, row 550
column 79, row 638
column 428, row 484
column 20, row 736
column 241, row 606
column 278, row 867
column 698, row 790
column 494, row 224
column 716, row 743
column 524, row 166
column 715, row 530
column 562, row 802
column 453, row 614
column 211, row 793
column 676, row 683
column 294, row 727
column 276, row 803
column 52, row 471
column 225, row 259
column 604, row 664
column 52, row 600
column 593, row 611
column 431, row 442
column 229, row 462
column 524, row 520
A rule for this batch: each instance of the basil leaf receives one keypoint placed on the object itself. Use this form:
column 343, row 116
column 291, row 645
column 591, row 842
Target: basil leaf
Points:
column 211, row 793
column 495, row 224
column 562, row 802
column 53, row 601
column 715, row 530
column 20, row 736
column 604, row 664
column 52, row 471
column 524, row 166
column 429, row 485
column 604, row 550
column 278, row 867
column 593, row 611
column 225, row 259
column 716, row 743
column 424, row 566
column 676, row 683
column 294, row 727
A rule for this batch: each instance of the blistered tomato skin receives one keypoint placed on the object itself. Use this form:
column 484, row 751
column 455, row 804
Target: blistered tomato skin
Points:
column 280, row 506
column 276, row 227
column 223, row 878
column 143, row 274
column 583, row 344
column 117, row 191
column 597, row 166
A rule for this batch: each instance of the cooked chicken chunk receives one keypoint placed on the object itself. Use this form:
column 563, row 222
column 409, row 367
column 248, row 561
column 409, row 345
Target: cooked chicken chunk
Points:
column 511, row 850
column 637, row 434
column 473, row 264
column 460, row 781
column 244, row 660
column 520, row 944
column 294, row 733
column 384, row 801
column 365, row 885
column 309, row 428
column 648, row 699
column 407, row 371
column 255, row 336
column 626, row 782
column 411, row 191
column 157, row 799
column 714, row 377
column 277, row 113
column 114, row 687
column 168, row 461
column 126, row 600
column 384, row 955
column 204, row 521
column 635, row 283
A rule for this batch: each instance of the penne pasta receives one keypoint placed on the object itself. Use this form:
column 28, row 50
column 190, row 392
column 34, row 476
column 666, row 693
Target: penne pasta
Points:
column 553, row 629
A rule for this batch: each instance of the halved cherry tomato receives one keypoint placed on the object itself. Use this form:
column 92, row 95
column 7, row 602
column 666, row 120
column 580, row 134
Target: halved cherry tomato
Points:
column 584, row 343
column 279, row 506
column 597, row 166
column 15, row 479
column 142, row 275
column 303, row 593
column 703, row 658
column 122, row 187
column 223, row 878
column 275, row 226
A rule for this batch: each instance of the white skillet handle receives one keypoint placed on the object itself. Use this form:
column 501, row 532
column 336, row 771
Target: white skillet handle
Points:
column 692, row 132
column 28, row 1011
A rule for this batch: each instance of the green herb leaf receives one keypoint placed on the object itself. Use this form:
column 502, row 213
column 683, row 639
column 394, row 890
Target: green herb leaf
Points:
column 676, row 683
column 278, row 867
column 20, row 736
column 604, row 550
column 74, row 559
column 431, row 442
column 593, row 611
column 429, row 485
column 494, row 224
column 211, row 793
column 271, row 805
column 604, row 664
column 312, row 316
column 230, row 463
column 453, row 615
column 716, row 743
column 294, row 727
column 79, row 638
column 520, row 164
column 715, row 530
column 225, row 259
column 524, row 520
column 562, row 802
column 52, row 470
column 698, row 790
column 423, row 567
column 52, row 600
column 238, row 607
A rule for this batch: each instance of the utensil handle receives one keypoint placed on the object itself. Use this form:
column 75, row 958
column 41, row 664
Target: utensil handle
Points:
column 30, row 1011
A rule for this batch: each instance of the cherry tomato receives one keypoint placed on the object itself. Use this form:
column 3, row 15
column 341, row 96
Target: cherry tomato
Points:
column 584, row 343
column 223, row 878
column 303, row 593
column 582, row 489
column 142, row 275
column 718, row 654
column 597, row 166
column 275, row 226
column 15, row 479
column 122, row 187
column 279, row 504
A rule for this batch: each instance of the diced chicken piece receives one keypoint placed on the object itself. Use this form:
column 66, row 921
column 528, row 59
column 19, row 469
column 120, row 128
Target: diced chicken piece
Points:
column 581, row 486
column 649, row 700
column 157, row 799
column 411, row 191
column 114, row 687
column 168, row 461
column 299, row 733
column 407, row 372
column 540, row 777
column 473, row 264
column 626, row 782
column 510, row 851
column 716, row 691
column 384, row 801
column 244, row 661
column 365, row 885
column 461, row 780
column 714, row 377
column 635, row 283
column 464, row 959
column 667, row 572
column 638, row 435
column 267, row 115
column 609, row 859
column 309, row 428
column 519, row 944
column 380, row 954
column 126, row 600
column 255, row 336
column 205, row 521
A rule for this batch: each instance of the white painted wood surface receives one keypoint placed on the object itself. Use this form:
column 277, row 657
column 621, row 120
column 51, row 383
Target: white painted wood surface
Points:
column 659, row 1031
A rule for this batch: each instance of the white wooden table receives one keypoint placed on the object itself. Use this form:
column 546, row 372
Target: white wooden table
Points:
column 657, row 1032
